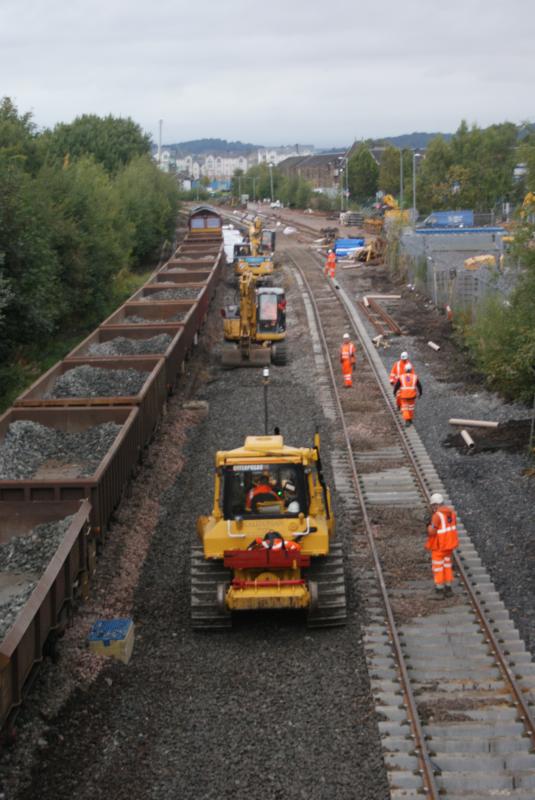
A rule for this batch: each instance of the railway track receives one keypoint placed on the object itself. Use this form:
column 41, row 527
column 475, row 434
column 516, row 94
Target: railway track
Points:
column 453, row 684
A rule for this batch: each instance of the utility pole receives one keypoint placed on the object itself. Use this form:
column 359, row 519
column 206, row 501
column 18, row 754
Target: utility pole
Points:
column 414, row 187
column 254, row 189
column 401, row 179
column 271, row 179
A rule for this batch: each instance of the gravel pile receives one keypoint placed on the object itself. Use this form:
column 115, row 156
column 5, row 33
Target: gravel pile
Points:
column 185, row 293
column 135, row 319
column 121, row 346
column 86, row 381
column 27, row 445
column 28, row 554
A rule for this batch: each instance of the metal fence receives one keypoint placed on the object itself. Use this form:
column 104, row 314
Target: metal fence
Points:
column 435, row 264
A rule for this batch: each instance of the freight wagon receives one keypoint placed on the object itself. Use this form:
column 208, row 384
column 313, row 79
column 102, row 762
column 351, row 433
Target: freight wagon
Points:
column 52, row 593
column 57, row 488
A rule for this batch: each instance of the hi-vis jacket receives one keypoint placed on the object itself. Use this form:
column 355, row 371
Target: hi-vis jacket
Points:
column 348, row 352
column 442, row 531
column 408, row 385
column 398, row 370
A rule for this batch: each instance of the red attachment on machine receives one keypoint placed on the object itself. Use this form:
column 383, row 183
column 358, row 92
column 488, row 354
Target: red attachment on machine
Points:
column 264, row 558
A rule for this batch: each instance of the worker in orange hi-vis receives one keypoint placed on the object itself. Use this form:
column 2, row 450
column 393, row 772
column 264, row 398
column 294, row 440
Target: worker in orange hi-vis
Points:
column 330, row 264
column 442, row 539
column 405, row 390
column 398, row 368
column 348, row 359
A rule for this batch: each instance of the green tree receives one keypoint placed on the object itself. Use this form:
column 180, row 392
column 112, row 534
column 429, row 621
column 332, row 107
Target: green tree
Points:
column 112, row 141
column 389, row 176
column 30, row 266
column 432, row 183
column 89, row 232
column 363, row 174
column 148, row 199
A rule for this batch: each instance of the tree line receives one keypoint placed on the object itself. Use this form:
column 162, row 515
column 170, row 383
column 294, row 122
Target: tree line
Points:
column 81, row 205
column 474, row 169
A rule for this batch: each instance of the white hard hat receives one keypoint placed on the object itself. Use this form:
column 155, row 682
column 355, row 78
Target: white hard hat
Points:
column 345, row 336
column 404, row 356
column 330, row 251
column 294, row 508
column 436, row 499
column 408, row 368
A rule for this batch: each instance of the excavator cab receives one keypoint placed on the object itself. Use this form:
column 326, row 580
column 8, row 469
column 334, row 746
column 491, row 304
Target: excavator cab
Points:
column 267, row 544
column 271, row 313
column 256, row 328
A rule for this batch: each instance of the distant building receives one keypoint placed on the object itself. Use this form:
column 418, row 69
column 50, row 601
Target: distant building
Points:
column 167, row 160
column 215, row 167
column 322, row 171
column 520, row 171
column 274, row 155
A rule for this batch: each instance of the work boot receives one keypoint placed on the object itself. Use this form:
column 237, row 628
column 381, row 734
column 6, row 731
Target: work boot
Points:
column 439, row 592
column 448, row 591
column 408, row 423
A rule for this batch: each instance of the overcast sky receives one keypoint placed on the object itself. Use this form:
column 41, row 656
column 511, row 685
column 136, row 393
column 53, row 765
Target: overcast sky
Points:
column 275, row 72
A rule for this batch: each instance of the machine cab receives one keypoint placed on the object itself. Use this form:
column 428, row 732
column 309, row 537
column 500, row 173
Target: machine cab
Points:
column 268, row 241
column 271, row 310
column 258, row 491
column 241, row 250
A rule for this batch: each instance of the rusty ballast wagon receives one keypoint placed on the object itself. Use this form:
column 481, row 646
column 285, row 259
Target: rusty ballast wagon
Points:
column 174, row 354
column 48, row 607
column 105, row 487
column 150, row 398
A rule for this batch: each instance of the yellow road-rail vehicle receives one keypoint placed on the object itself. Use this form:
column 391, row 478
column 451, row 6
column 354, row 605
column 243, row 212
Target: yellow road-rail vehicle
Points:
column 267, row 543
column 255, row 329
column 257, row 256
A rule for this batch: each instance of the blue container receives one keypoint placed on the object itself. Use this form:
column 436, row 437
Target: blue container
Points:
column 109, row 630
column 343, row 247
column 459, row 231
column 450, row 219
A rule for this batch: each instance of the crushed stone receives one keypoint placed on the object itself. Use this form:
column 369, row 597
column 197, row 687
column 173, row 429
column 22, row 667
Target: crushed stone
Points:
column 27, row 445
column 87, row 381
column 184, row 293
column 122, row 346
column 30, row 555
column 135, row 319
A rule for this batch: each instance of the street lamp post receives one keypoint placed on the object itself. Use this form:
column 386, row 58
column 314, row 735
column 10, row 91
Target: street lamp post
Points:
column 415, row 155
column 271, row 179
column 265, row 381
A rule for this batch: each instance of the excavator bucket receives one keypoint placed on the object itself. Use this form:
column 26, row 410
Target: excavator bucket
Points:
column 257, row 357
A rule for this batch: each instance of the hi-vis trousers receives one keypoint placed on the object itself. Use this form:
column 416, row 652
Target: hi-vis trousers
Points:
column 442, row 566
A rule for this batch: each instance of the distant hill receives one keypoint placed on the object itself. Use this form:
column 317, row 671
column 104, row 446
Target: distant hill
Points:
column 412, row 140
column 198, row 147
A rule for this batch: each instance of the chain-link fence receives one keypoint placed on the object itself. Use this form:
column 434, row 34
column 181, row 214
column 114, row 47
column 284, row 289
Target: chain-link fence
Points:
column 435, row 264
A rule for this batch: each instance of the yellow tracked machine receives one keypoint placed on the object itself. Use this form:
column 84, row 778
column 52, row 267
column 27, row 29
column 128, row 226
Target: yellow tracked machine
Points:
column 267, row 542
column 257, row 255
column 255, row 329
